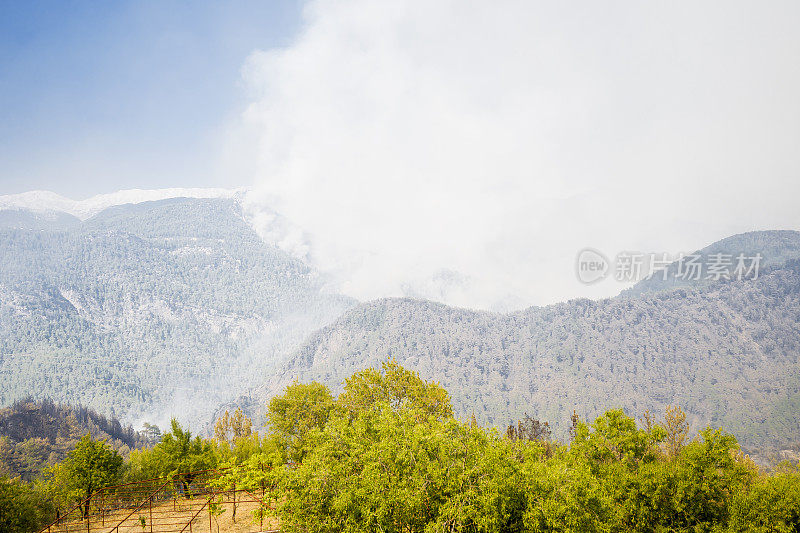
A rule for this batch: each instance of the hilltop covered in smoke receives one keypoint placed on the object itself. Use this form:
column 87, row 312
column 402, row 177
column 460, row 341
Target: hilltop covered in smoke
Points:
column 150, row 309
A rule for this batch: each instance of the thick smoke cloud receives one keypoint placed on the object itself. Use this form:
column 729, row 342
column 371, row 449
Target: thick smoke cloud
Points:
column 465, row 151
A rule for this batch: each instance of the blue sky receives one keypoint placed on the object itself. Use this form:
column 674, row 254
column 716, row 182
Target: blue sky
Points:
column 98, row 96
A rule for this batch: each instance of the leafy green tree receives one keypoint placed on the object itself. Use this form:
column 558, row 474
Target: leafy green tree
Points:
column 396, row 386
column 708, row 474
column 178, row 452
column 239, row 450
column 771, row 505
column 178, row 456
column 91, row 466
column 590, row 486
column 300, row 410
column 151, row 433
column 22, row 510
column 403, row 470
column 254, row 466
column 614, row 438
column 564, row 495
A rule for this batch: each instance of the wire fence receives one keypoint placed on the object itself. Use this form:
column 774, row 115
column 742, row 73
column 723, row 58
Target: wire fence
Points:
column 190, row 502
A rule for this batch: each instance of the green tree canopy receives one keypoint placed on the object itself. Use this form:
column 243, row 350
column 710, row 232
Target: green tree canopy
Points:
column 300, row 410
column 22, row 510
column 397, row 387
column 387, row 455
column 178, row 455
column 402, row 469
column 91, row 466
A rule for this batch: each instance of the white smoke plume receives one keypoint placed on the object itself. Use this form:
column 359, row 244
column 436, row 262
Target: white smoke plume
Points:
column 465, row 151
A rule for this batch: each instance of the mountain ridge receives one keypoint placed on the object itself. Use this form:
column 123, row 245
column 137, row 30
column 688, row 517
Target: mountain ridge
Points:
column 729, row 353
column 41, row 201
column 774, row 247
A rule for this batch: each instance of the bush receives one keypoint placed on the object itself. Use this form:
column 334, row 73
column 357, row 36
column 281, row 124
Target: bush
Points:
column 22, row 509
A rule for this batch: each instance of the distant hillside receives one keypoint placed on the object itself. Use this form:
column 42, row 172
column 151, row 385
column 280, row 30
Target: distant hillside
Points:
column 775, row 248
column 726, row 351
column 28, row 220
column 48, row 204
column 36, row 433
column 149, row 310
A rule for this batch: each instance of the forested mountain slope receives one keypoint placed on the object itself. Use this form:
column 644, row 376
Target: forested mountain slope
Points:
column 148, row 310
column 34, row 434
column 726, row 351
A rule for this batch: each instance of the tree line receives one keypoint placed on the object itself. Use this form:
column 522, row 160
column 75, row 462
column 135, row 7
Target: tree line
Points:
column 387, row 454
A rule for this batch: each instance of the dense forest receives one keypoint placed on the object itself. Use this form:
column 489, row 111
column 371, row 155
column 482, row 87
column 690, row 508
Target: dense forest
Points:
column 388, row 455
column 34, row 434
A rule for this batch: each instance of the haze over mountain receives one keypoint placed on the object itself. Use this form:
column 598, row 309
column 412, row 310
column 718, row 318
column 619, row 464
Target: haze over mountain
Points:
column 150, row 309
column 727, row 351
column 180, row 305
column 50, row 203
